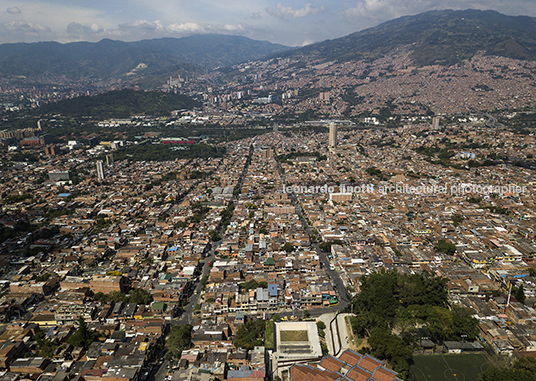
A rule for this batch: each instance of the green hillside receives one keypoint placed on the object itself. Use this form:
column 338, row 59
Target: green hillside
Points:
column 121, row 104
column 436, row 37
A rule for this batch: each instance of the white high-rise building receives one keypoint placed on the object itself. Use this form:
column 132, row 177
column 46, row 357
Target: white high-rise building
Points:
column 100, row 170
column 332, row 135
column 435, row 122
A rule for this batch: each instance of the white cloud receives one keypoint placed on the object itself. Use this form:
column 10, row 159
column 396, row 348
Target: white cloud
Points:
column 187, row 27
column 283, row 12
column 182, row 29
column 22, row 31
column 143, row 29
column 382, row 8
column 14, row 11
column 79, row 31
column 25, row 27
column 290, row 22
column 255, row 16
column 372, row 12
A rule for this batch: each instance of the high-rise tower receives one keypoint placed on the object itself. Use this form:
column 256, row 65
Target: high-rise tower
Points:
column 435, row 123
column 332, row 135
column 100, row 170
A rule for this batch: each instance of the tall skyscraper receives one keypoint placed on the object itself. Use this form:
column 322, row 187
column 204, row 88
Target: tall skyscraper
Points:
column 435, row 123
column 109, row 160
column 267, row 153
column 100, row 170
column 332, row 135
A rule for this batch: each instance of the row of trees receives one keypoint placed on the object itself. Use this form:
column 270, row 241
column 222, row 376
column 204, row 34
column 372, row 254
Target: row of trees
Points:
column 523, row 369
column 121, row 104
column 179, row 339
column 252, row 285
column 136, row 295
column 160, row 152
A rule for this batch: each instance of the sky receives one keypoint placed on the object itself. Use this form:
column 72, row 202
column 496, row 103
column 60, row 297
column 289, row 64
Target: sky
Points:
column 288, row 22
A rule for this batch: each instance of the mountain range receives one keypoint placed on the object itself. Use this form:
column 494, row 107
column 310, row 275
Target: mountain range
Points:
column 437, row 37
column 109, row 58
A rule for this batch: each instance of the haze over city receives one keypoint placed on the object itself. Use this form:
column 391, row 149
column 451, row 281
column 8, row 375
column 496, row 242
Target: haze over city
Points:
column 290, row 22
column 226, row 204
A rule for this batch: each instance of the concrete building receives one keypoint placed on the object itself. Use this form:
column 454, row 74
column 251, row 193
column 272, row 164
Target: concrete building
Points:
column 100, row 170
column 295, row 343
column 52, row 150
column 435, row 123
column 60, row 175
column 349, row 366
column 332, row 135
column 340, row 197
column 267, row 153
column 108, row 284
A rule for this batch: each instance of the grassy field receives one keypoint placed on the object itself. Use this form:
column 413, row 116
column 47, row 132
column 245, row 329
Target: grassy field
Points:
column 462, row 367
column 294, row 336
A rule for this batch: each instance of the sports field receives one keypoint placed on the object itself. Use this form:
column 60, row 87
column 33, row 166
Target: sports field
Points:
column 462, row 367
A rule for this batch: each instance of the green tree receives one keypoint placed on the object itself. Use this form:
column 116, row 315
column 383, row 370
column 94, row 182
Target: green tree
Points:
column 463, row 323
column 326, row 246
column 250, row 334
column 444, row 246
column 45, row 346
column 42, row 278
column 249, row 285
column 288, row 247
column 526, row 364
column 523, row 369
column 140, row 296
column 100, row 297
column 520, row 294
column 383, row 294
column 214, row 235
column 179, row 339
column 82, row 337
column 386, row 346
column 457, row 219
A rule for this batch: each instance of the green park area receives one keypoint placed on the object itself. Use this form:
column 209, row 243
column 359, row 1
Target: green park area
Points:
column 454, row 367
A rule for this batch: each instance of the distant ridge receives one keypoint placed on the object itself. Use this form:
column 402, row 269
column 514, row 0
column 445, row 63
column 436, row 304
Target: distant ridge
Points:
column 212, row 50
column 435, row 37
column 109, row 58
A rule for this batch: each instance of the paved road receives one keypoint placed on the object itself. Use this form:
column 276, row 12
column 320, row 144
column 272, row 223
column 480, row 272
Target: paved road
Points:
column 187, row 313
column 159, row 372
column 344, row 295
column 327, row 318
column 343, row 332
